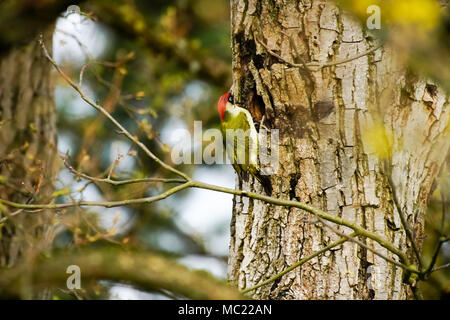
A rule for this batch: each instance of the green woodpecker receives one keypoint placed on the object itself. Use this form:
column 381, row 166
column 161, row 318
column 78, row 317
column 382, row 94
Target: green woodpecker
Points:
column 243, row 152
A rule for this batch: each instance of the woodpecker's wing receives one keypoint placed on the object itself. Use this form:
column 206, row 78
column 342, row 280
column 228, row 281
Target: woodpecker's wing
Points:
column 241, row 143
column 239, row 138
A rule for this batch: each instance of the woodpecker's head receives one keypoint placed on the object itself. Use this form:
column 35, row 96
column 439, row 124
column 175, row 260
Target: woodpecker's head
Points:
column 224, row 100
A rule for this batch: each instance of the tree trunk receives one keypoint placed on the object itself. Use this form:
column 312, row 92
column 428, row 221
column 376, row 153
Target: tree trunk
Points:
column 329, row 121
column 27, row 150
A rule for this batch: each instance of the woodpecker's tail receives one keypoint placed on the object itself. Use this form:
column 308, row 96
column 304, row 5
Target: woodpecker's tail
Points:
column 264, row 180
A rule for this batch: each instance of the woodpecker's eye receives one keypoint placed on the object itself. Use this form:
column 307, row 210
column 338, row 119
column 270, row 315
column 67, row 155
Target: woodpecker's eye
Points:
column 230, row 98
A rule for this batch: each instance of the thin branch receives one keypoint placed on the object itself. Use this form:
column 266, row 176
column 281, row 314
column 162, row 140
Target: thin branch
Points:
column 118, row 182
column 403, row 220
column 362, row 244
column 292, row 64
column 314, row 66
column 360, row 55
column 347, row 237
column 81, row 45
column 106, row 204
column 442, row 238
column 444, row 204
column 317, row 212
column 430, row 269
column 441, row 267
column 83, row 68
column 6, row 183
column 99, row 234
column 107, row 115
column 197, row 184
column 91, row 59
column 298, row 264
column 9, row 216
column 114, row 165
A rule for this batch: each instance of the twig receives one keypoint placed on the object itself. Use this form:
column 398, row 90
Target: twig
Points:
column 441, row 267
column 360, row 55
column 13, row 187
column 403, row 221
column 430, row 269
column 362, row 244
column 317, row 212
column 10, row 215
column 298, row 264
column 442, row 238
column 106, row 204
column 83, row 68
column 197, row 184
column 118, row 182
column 107, row 115
column 309, row 65
column 295, row 65
column 444, row 205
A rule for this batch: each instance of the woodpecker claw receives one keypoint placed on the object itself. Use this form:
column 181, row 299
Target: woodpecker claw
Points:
column 261, row 124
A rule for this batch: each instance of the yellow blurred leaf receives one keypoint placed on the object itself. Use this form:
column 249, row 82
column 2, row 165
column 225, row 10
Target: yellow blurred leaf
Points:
column 32, row 127
column 122, row 70
column 92, row 238
column 422, row 13
column 378, row 140
column 152, row 113
column 139, row 95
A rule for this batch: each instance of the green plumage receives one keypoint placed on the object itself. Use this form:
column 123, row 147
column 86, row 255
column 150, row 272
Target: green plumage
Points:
column 244, row 151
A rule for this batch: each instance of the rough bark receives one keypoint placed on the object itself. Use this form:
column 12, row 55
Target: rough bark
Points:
column 325, row 159
column 27, row 150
